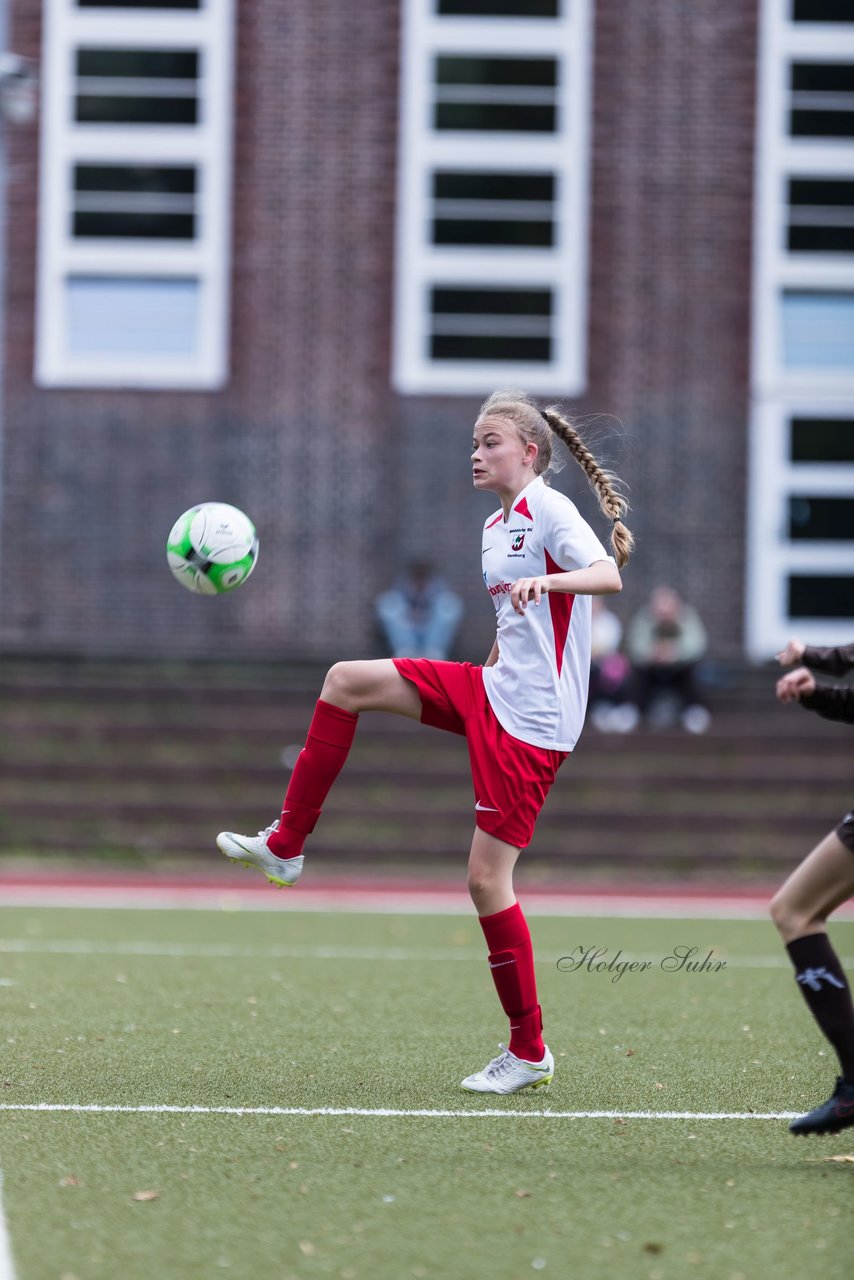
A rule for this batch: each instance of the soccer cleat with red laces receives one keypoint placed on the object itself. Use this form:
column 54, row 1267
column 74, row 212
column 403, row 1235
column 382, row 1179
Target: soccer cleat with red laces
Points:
column 835, row 1114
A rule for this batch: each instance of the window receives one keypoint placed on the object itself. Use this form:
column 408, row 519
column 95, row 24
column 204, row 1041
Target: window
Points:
column 820, row 519
column 818, row 329
column 821, row 440
column 493, row 195
column 821, row 596
column 140, row 4
column 801, row 483
column 137, row 86
column 135, row 188
column 821, row 215
column 496, row 95
column 822, row 11
column 500, row 8
column 111, row 314
column 491, row 324
column 822, row 100
column 512, row 209
column 148, row 201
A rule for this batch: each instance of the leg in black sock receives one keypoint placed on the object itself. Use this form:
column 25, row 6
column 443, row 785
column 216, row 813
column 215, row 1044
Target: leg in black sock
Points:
column 825, row 988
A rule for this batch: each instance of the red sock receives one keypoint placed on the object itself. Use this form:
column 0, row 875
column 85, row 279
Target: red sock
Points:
column 330, row 736
column 511, row 960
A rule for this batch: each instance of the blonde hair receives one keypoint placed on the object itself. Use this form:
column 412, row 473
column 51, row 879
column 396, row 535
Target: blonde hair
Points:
column 539, row 426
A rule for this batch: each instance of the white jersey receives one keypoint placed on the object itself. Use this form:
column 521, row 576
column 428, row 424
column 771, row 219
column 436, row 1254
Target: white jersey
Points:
column 538, row 687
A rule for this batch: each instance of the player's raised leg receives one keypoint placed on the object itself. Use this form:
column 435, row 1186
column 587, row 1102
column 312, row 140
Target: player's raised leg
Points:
column 800, row 909
column 526, row 1062
column 349, row 688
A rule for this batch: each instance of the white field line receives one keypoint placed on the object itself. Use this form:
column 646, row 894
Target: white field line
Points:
column 363, row 902
column 227, row 951
column 394, row 1113
column 7, row 1266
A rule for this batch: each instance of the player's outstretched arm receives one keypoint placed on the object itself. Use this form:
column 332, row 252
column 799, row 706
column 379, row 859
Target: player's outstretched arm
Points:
column 602, row 578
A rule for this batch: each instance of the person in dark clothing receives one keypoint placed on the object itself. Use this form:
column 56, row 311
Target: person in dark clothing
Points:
column 822, row 882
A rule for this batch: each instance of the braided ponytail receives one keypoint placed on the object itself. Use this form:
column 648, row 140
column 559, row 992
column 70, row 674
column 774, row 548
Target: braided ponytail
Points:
column 604, row 483
column 540, row 426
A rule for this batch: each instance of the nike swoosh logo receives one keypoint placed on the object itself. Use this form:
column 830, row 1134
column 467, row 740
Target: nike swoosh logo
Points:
column 485, row 808
column 243, row 847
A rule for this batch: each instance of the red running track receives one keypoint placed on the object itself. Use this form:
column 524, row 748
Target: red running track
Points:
column 240, row 889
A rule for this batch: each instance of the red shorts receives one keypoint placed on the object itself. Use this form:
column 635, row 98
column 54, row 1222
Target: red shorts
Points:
column 511, row 778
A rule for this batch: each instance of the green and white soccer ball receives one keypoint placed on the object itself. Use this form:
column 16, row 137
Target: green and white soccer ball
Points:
column 212, row 548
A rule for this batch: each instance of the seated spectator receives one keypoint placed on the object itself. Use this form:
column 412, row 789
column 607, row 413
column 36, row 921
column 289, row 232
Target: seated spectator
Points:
column 609, row 673
column 666, row 640
column 419, row 614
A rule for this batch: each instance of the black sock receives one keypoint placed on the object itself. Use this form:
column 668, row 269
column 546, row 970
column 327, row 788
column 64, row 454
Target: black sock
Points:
column 823, row 985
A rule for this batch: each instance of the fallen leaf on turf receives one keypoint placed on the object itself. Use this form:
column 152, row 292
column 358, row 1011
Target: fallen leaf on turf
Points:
column 839, row 1159
column 523, row 1193
column 652, row 1246
column 145, row 1195
column 70, row 1180
column 630, row 1053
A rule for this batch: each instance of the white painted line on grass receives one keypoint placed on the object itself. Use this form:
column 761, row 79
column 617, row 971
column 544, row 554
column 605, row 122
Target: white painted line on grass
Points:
column 413, row 902
column 7, row 1266
column 393, row 1112
column 228, row 951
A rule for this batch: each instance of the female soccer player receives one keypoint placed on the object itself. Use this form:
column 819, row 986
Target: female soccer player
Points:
column 823, row 881
column 521, row 713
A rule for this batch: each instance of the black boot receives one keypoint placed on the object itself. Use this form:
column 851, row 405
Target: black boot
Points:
column 835, row 1114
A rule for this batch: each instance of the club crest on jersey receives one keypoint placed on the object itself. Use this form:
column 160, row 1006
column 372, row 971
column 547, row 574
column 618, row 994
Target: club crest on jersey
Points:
column 518, row 542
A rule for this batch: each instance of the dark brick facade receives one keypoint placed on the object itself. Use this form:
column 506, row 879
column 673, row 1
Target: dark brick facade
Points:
column 343, row 477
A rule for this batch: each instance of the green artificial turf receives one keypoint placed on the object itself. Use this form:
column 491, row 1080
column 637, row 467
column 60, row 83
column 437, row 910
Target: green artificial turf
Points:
column 242, row 1010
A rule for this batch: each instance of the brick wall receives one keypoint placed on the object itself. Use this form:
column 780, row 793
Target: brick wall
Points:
column 343, row 478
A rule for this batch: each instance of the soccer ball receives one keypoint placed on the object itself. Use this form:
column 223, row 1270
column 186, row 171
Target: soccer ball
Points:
column 212, row 548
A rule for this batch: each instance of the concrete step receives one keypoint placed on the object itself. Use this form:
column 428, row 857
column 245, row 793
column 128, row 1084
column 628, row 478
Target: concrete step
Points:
column 806, row 775
column 142, row 762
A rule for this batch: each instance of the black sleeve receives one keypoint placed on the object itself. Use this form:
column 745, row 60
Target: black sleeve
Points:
column 834, row 661
column 832, row 701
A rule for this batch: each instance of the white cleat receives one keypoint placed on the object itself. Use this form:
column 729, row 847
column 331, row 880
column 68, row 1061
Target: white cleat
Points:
column 253, row 851
column 509, row 1074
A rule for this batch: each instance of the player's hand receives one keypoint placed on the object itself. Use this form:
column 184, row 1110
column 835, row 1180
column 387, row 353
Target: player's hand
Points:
column 527, row 589
column 792, row 653
column 795, row 685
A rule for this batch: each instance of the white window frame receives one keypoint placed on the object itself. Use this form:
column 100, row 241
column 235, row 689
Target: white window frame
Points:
column 206, row 145
column 778, row 394
column 420, row 265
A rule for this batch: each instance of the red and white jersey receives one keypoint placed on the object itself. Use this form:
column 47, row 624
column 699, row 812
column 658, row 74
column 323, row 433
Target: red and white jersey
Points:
column 538, row 687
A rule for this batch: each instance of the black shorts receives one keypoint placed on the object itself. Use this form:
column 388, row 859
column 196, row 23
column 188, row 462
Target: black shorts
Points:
column 845, row 830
